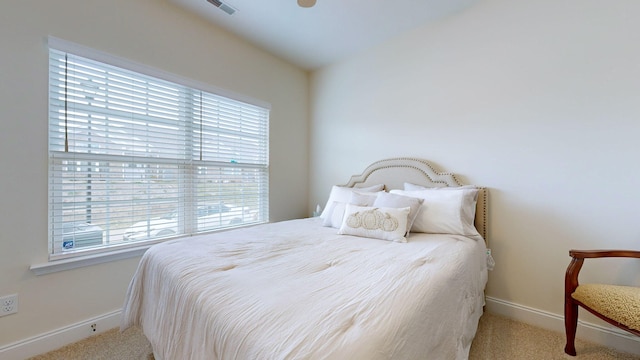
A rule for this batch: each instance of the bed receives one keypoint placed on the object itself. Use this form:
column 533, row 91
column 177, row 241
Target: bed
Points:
column 352, row 283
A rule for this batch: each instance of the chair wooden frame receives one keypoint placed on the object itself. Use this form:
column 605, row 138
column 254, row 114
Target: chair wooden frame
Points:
column 570, row 285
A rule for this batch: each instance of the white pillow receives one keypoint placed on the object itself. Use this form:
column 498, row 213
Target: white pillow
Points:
column 337, row 208
column 343, row 194
column 375, row 222
column 335, row 214
column 364, row 198
column 445, row 212
column 385, row 199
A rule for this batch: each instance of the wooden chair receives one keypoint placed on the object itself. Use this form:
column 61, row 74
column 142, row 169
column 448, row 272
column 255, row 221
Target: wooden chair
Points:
column 617, row 305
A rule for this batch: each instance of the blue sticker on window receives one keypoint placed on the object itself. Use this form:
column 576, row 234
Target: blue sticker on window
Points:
column 67, row 244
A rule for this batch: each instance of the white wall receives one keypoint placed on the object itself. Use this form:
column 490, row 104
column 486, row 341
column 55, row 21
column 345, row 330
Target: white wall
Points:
column 537, row 100
column 145, row 31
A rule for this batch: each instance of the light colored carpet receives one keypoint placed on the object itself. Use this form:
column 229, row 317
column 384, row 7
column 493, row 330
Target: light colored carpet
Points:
column 110, row 345
column 498, row 338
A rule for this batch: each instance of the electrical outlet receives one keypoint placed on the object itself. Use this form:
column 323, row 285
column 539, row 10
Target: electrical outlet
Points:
column 8, row 304
column 94, row 328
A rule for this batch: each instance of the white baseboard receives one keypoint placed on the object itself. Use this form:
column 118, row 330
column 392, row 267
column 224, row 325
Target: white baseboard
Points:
column 58, row 338
column 603, row 335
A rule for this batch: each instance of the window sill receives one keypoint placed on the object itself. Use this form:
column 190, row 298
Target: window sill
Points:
column 67, row 261
column 87, row 260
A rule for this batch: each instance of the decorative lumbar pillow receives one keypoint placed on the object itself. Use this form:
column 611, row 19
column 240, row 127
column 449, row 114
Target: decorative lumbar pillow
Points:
column 343, row 194
column 375, row 222
column 445, row 212
column 389, row 200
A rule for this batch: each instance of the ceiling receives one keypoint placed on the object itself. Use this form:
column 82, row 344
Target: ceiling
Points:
column 330, row 31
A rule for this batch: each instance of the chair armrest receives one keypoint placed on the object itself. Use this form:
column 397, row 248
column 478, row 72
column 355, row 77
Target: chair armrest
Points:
column 590, row 254
column 578, row 256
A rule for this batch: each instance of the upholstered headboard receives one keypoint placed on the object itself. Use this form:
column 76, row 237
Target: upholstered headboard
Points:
column 396, row 171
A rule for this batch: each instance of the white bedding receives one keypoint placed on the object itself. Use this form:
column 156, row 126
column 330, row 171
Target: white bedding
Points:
column 297, row 290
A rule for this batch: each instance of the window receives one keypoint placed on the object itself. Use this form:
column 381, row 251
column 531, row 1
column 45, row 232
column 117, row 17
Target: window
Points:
column 134, row 159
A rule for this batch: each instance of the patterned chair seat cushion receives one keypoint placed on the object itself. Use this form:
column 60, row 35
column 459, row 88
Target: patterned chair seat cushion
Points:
column 619, row 303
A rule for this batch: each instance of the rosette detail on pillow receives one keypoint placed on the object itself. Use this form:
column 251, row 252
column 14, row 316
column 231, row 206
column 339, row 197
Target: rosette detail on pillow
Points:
column 375, row 222
column 373, row 219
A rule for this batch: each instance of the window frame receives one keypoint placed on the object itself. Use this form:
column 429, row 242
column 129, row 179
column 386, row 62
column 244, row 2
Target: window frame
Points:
column 96, row 255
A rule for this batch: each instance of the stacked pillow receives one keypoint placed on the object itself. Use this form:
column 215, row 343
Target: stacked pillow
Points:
column 372, row 212
column 391, row 200
column 338, row 198
column 445, row 210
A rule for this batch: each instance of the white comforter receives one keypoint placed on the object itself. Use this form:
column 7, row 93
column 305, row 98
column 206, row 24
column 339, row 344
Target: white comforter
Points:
column 297, row 290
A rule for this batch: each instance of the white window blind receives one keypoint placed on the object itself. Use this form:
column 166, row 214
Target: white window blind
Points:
column 134, row 158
